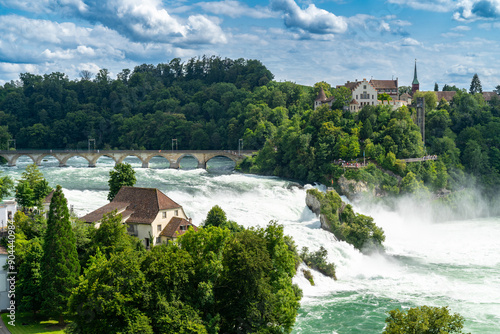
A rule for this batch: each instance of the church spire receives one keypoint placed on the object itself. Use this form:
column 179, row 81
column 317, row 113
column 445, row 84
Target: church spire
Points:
column 415, row 80
column 415, row 85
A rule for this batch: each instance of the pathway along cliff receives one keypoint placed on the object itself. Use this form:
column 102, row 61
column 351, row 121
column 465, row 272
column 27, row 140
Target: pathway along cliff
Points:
column 450, row 263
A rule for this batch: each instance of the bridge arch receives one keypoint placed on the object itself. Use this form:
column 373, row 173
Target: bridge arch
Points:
column 41, row 157
column 13, row 160
column 200, row 164
column 125, row 156
column 93, row 160
column 64, row 160
column 147, row 159
column 225, row 155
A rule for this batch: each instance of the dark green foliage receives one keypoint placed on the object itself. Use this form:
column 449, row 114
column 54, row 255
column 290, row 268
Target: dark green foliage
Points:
column 423, row 320
column 475, row 85
column 111, row 237
column 211, row 281
column 217, row 217
column 32, row 188
column 29, row 278
column 317, row 261
column 32, row 226
column 308, row 276
column 121, row 175
column 6, row 186
column 109, row 296
column 59, row 265
column 356, row 229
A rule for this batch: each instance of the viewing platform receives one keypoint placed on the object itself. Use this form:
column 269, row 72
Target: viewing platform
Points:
column 173, row 156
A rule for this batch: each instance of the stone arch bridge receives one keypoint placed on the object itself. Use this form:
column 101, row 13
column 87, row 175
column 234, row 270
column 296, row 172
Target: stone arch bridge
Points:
column 174, row 157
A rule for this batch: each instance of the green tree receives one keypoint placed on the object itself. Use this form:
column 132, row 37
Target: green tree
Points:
column 32, row 188
column 215, row 217
column 121, row 175
column 29, row 279
column 111, row 237
column 475, row 85
column 423, row 320
column 430, row 99
column 411, row 185
column 110, row 296
column 436, row 87
column 59, row 264
column 6, row 186
column 384, row 97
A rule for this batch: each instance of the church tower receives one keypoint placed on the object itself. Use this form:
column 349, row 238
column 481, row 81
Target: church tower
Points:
column 415, row 85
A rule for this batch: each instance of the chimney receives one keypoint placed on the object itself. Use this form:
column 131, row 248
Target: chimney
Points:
column 190, row 220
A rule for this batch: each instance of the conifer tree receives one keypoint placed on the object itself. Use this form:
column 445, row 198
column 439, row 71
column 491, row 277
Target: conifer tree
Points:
column 475, row 85
column 59, row 265
column 122, row 175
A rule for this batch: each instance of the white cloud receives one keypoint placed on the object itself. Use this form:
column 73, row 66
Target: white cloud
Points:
column 312, row 19
column 463, row 10
column 461, row 28
column 410, row 42
column 430, row 5
column 142, row 21
column 451, row 35
column 235, row 9
column 472, row 10
column 401, row 23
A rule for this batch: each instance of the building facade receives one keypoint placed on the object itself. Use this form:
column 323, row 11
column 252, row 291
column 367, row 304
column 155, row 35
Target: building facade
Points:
column 145, row 211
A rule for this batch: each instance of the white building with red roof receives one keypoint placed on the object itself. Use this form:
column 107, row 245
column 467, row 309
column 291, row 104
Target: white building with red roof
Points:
column 146, row 211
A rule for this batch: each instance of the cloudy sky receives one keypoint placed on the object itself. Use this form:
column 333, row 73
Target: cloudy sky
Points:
column 304, row 41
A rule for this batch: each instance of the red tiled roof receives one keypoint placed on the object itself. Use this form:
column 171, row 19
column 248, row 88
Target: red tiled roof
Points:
column 173, row 228
column 97, row 215
column 48, row 198
column 488, row 96
column 447, row 95
column 354, row 101
column 384, row 84
column 321, row 95
column 141, row 205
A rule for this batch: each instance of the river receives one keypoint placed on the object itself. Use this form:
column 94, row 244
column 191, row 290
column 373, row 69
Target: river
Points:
column 454, row 263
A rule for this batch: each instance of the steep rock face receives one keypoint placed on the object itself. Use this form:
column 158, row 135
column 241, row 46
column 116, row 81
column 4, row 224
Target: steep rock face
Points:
column 314, row 204
column 339, row 218
column 353, row 189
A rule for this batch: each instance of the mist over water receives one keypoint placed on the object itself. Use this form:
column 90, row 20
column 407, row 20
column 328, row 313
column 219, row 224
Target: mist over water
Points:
column 427, row 262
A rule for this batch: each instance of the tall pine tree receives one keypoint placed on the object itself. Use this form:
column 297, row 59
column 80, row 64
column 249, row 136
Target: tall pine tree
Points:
column 475, row 85
column 59, row 265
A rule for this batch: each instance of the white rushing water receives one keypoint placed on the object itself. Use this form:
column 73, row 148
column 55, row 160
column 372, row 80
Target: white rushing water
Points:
column 453, row 263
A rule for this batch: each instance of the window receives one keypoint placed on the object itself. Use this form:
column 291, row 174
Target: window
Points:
column 164, row 214
column 183, row 227
column 356, row 97
column 158, row 227
column 176, row 212
column 158, row 240
column 146, row 241
column 364, row 87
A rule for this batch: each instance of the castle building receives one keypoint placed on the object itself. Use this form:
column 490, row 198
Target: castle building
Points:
column 389, row 87
column 322, row 99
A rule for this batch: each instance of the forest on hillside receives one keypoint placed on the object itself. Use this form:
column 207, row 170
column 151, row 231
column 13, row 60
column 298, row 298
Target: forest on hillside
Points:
column 212, row 103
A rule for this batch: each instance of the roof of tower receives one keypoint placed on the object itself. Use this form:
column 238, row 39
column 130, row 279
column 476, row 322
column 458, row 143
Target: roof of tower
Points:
column 321, row 95
column 415, row 80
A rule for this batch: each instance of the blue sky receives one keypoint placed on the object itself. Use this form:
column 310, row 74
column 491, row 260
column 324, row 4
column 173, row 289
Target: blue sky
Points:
column 300, row 41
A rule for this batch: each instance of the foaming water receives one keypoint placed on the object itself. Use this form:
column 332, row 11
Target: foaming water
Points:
column 453, row 263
